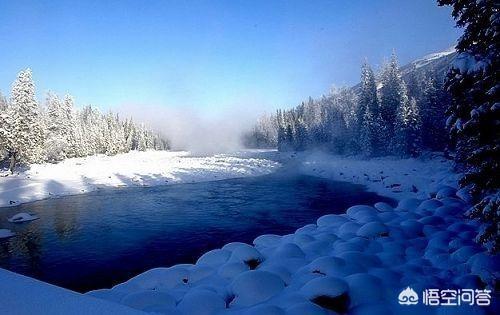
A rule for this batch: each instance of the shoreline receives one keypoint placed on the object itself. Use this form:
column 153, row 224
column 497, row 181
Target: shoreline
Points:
column 86, row 175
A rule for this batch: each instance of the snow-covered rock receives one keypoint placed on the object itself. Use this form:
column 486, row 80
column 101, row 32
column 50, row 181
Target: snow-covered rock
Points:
column 345, row 263
column 214, row 257
column 383, row 207
column 305, row 308
column 372, row 230
column 232, row 269
column 22, row 217
column 446, row 192
column 364, row 288
column 253, row 287
column 201, row 302
column 332, row 220
column 244, row 253
column 328, row 292
column 265, row 310
column 408, row 204
column 149, row 301
column 6, row 233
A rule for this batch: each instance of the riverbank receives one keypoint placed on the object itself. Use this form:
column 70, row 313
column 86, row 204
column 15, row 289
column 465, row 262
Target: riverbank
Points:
column 374, row 259
column 133, row 169
column 389, row 176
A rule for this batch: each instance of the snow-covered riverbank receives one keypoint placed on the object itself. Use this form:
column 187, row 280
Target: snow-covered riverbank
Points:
column 387, row 176
column 81, row 175
column 357, row 263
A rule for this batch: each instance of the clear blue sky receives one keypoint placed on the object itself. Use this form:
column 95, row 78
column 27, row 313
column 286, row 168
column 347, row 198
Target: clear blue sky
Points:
column 211, row 55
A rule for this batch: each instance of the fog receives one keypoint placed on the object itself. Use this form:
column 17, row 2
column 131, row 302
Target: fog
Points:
column 190, row 129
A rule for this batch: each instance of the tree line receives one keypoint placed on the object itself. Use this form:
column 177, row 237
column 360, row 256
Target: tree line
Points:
column 383, row 115
column 392, row 115
column 55, row 130
column 474, row 114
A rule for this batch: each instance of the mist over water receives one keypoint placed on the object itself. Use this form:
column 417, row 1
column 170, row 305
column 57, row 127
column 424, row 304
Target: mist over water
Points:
column 195, row 131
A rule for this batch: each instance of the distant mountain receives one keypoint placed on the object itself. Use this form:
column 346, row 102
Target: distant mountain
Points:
column 439, row 63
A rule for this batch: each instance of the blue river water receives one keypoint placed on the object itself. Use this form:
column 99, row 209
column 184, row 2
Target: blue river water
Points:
column 99, row 239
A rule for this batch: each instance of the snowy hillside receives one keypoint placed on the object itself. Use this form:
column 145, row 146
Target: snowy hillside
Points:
column 431, row 58
column 438, row 62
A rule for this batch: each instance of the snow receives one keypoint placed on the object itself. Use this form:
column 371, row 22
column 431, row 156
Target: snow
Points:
column 415, row 177
column 355, row 263
column 324, row 286
column 431, row 57
column 150, row 168
column 253, row 287
column 6, row 233
column 467, row 63
column 21, row 295
column 22, row 217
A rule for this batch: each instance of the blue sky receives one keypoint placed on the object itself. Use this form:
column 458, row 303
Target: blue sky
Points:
column 210, row 55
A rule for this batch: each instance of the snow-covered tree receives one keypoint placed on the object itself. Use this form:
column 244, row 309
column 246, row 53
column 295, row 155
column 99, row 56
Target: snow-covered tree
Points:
column 4, row 119
column 58, row 130
column 392, row 97
column 56, row 142
column 26, row 126
column 264, row 134
column 368, row 113
column 407, row 140
column 3, row 103
column 349, row 120
column 475, row 112
column 432, row 107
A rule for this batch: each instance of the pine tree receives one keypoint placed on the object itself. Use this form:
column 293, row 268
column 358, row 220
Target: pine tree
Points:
column 407, row 130
column 368, row 112
column 27, row 128
column 474, row 113
column 432, row 107
column 4, row 126
column 56, row 144
column 392, row 96
column 3, row 103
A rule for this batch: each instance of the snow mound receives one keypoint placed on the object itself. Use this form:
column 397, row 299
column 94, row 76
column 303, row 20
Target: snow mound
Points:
column 364, row 288
column 214, row 257
column 5, row 233
column 253, row 287
column 328, row 292
column 373, row 229
column 22, row 217
column 267, row 240
column 265, row 310
column 305, row 308
column 350, row 263
column 446, row 192
column 383, row 207
column 408, row 204
column 149, row 301
column 202, row 302
column 331, row 220
column 244, row 253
